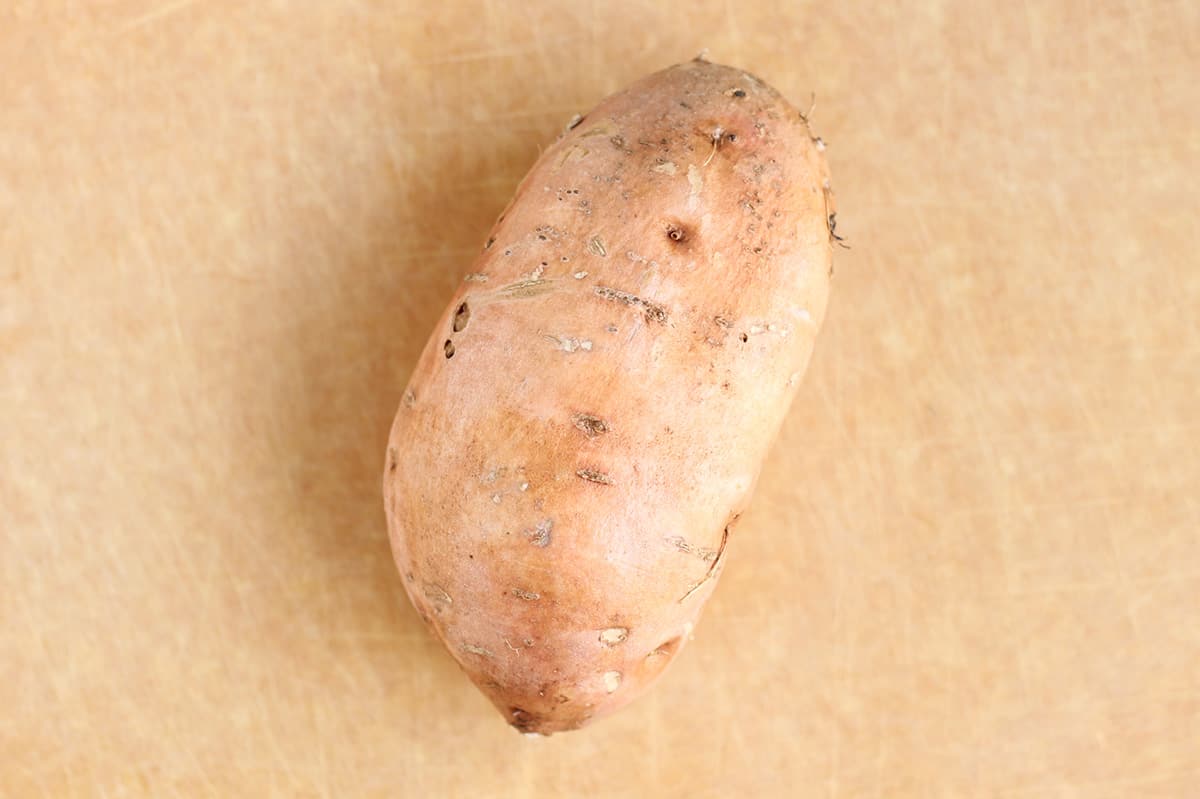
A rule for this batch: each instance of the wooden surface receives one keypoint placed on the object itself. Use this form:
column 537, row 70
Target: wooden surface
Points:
column 973, row 565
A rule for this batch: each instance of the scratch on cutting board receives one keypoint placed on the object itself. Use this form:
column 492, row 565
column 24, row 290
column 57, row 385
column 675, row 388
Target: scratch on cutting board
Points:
column 165, row 10
column 499, row 52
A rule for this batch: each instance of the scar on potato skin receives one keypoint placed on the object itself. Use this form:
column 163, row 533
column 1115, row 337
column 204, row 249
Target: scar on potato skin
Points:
column 523, row 720
column 712, row 569
column 591, row 426
column 438, row 596
column 684, row 546
column 614, row 635
column 526, row 288
column 654, row 312
column 593, row 476
column 539, row 536
column 462, row 317
column 569, row 343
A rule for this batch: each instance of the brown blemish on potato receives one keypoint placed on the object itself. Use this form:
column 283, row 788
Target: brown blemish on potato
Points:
column 523, row 720
column 613, row 635
column 677, row 232
column 654, row 312
column 591, row 426
column 593, row 476
column 462, row 316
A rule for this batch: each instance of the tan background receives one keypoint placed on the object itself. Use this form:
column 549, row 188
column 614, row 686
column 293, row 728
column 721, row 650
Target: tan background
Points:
column 973, row 565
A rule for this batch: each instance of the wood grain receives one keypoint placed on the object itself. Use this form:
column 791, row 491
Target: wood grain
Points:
column 973, row 564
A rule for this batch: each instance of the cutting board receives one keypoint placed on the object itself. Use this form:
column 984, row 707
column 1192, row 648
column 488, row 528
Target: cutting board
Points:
column 972, row 567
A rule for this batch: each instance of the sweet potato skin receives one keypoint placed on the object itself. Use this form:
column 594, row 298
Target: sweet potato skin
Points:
column 589, row 417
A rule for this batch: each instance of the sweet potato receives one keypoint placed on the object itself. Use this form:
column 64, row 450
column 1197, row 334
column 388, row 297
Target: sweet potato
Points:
column 590, row 415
